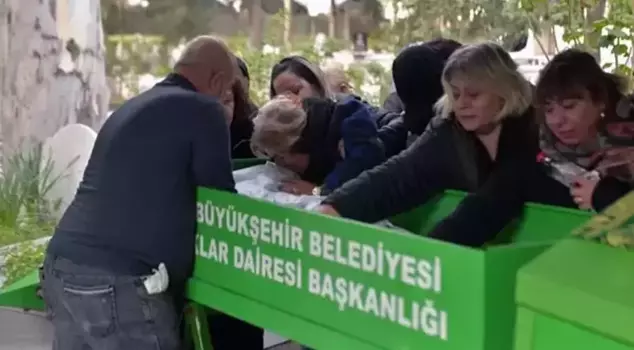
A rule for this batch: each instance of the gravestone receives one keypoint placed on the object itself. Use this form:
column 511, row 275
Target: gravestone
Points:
column 67, row 154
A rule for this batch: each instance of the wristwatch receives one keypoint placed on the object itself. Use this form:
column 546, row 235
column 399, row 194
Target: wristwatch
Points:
column 317, row 191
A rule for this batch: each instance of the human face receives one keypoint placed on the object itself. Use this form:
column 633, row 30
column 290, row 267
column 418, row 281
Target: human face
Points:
column 475, row 105
column 573, row 120
column 289, row 83
column 295, row 162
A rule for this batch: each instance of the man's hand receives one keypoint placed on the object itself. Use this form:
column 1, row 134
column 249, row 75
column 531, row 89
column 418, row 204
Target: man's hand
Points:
column 582, row 192
column 327, row 209
column 297, row 187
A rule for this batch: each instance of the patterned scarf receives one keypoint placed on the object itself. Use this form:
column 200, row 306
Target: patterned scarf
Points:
column 611, row 153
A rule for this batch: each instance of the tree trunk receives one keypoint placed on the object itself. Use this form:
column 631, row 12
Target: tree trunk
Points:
column 288, row 23
column 591, row 40
column 346, row 35
column 332, row 21
column 256, row 16
column 52, row 69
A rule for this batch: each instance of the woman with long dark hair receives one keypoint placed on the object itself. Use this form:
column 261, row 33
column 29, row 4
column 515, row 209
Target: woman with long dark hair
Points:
column 239, row 110
column 297, row 76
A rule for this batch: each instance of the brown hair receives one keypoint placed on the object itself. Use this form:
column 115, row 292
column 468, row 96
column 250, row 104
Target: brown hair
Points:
column 573, row 73
column 243, row 107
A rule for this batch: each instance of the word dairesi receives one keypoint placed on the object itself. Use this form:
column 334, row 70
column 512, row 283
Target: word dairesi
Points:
column 251, row 260
column 375, row 259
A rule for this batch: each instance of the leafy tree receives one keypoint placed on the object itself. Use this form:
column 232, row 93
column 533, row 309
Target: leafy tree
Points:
column 463, row 20
column 594, row 25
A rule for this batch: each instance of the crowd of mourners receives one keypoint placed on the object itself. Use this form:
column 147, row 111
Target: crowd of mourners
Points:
column 461, row 117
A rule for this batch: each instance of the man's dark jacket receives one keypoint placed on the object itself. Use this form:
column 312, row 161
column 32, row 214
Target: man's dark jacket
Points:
column 136, row 205
column 330, row 124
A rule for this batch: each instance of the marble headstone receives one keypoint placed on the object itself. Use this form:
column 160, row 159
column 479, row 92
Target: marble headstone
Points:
column 66, row 154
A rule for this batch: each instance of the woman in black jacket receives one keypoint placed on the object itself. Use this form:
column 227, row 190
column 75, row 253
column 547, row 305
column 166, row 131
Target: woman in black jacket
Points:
column 484, row 141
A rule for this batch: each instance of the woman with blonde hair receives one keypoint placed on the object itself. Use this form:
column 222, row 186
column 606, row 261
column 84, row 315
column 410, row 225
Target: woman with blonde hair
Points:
column 325, row 142
column 337, row 79
column 483, row 141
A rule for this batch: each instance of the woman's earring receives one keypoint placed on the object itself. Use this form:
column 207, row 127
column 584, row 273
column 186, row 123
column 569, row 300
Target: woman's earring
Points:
column 602, row 114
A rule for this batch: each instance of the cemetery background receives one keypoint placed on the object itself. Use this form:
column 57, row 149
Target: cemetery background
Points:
column 68, row 62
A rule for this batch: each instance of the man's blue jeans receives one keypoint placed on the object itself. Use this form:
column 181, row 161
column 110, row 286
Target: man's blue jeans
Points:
column 95, row 309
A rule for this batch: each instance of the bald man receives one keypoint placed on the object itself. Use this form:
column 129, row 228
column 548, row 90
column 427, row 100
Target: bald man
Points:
column 131, row 225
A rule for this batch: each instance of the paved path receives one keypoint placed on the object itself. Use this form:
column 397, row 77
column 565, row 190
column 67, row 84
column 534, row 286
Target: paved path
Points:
column 24, row 331
column 31, row 331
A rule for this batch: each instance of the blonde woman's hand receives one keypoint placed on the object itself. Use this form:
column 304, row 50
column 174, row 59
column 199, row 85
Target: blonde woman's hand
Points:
column 327, row 210
column 582, row 192
column 297, row 187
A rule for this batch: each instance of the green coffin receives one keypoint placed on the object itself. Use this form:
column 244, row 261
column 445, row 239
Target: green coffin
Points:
column 578, row 295
column 333, row 284
column 23, row 293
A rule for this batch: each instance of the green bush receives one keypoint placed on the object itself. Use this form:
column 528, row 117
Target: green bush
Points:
column 25, row 212
column 22, row 260
column 11, row 235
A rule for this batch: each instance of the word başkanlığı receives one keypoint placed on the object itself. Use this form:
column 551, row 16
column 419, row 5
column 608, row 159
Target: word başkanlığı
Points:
column 252, row 256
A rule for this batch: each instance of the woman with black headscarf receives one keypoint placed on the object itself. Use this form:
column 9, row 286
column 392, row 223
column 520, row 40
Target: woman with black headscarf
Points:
column 417, row 72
